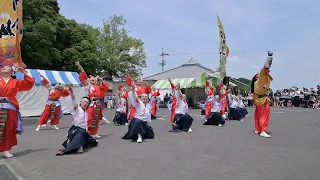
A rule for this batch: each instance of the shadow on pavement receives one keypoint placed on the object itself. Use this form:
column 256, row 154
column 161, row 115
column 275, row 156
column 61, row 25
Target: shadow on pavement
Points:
column 28, row 151
column 105, row 136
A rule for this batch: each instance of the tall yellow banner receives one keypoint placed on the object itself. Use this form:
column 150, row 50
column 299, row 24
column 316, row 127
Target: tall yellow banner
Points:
column 223, row 50
column 10, row 32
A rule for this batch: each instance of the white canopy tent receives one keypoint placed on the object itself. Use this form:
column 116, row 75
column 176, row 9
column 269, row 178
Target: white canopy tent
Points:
column 164, row 86
column 32, row 102
column 194, row 84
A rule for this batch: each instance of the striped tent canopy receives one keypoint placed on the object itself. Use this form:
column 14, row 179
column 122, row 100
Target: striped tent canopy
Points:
column 201, row 81
column 54, row 77
column 164, row 84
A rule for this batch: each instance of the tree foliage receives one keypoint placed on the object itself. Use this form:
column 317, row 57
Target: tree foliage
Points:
column 51, row 41
column 247, row 82
column 117, row 50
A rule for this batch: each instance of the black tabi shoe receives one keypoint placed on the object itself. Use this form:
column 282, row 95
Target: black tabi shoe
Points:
column 61, row 153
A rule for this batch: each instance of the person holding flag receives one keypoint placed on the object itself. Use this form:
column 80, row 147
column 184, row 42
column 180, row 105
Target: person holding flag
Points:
column 10, row 117
column 11, row 61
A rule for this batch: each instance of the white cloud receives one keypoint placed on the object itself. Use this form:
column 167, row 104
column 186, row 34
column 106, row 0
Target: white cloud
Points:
column 236, row 59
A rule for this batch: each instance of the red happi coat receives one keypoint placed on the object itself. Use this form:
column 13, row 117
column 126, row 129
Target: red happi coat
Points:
column 223, row 97
column 94, row 91
column 9, row 90
column 210, row 93
column 154, row 95
column 53, row 94
column 174, row 105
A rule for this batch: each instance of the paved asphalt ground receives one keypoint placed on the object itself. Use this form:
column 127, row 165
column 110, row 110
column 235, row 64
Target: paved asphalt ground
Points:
column 232, row 152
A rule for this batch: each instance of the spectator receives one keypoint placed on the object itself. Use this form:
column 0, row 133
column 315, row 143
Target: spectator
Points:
column 297, row 98
column 110, row 101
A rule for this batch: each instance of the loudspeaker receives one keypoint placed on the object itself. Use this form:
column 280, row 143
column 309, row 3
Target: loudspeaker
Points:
column 236, row 90
column 226, row 80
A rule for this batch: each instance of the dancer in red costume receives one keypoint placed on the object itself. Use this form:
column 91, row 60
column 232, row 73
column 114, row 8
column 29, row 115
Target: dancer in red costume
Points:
column 52, row 109
column 223, row 99
column 10, row 118
column 96, row 92
column 154, row 107
column 173, row 103
column 209, row 91
column 139, row 90
column 260, row 86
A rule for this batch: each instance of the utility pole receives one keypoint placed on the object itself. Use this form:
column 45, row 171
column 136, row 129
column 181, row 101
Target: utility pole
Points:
column 163, row 62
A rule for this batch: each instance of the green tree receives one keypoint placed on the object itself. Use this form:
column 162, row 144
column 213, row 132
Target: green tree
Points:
column 39, row 33
column 82, row 47
column 243, row 89
column 118, row 51
column 244, row 80
column 53, row 42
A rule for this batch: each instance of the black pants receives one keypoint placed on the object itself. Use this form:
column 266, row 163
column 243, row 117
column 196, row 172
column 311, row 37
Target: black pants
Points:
column 296, row 101
column 139, row 127
column 120, row 118
column 78, row 137
column 214, row 118
column 183, row 121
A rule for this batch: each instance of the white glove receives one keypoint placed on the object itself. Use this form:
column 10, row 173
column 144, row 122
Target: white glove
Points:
column 268, row 62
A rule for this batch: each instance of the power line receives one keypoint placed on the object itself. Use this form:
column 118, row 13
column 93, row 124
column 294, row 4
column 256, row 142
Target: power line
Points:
column 235, row 52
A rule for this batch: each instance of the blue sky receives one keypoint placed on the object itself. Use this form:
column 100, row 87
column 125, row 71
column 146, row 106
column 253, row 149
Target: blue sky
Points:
column 188, row 28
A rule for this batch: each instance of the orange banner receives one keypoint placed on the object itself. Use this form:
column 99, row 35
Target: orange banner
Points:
column 10, row 32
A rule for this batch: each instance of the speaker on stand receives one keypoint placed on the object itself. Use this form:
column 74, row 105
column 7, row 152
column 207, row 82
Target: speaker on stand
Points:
column 236, row 90
column 226, row 81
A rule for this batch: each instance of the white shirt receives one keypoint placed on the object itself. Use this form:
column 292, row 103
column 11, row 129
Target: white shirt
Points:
column 79, row 116
column 291, row 94
column 229, row 96
column 209, row 99
column 143, row 111
column 241, row 104
column 234, row 104
column 121, row 107
column 216, row 106
column 182, row 106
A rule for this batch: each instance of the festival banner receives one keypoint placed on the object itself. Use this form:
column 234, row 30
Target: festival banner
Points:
column 223, row 50
column 10, row 32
